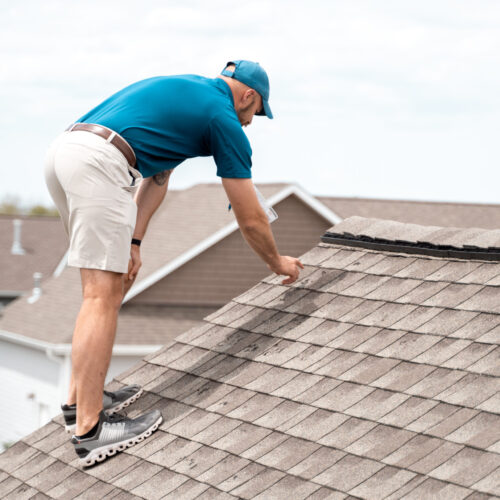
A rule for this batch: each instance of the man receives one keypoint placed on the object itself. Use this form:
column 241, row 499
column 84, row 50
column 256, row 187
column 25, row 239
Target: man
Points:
column 92, row 171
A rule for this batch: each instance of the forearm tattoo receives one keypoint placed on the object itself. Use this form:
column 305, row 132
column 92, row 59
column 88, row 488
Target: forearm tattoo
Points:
column 162, row 177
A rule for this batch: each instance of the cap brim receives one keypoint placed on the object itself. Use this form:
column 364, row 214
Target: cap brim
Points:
column 266, row 110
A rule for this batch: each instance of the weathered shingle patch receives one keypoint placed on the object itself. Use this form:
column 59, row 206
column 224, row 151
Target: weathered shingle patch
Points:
column 373, row 376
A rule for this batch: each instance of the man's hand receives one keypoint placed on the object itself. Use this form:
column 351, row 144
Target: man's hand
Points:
column 134, row 263
column 287, row 266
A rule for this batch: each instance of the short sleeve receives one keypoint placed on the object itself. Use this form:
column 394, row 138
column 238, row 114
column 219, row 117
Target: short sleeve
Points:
column 230, row 148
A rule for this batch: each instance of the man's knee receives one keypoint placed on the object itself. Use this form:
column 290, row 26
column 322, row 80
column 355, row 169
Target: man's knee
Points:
column 102, row 287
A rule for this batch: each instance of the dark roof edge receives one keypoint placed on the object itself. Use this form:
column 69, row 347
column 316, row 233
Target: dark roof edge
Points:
column 399, row 246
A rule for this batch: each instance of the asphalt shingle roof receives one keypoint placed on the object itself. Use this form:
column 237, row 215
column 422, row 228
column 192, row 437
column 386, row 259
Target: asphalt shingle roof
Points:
column 376, row 375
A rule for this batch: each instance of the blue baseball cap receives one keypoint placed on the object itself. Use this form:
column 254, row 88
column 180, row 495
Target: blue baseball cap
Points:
column 252, row 74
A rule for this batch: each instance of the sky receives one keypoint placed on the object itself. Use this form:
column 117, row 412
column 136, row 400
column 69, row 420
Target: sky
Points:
column 393, row 99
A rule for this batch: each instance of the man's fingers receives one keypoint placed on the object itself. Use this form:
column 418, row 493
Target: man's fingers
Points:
column 300, row 264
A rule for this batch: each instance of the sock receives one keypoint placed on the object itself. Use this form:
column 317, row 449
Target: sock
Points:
column 91, row 433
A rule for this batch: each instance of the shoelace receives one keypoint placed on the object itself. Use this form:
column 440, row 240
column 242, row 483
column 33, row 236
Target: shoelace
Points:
column 116, row 417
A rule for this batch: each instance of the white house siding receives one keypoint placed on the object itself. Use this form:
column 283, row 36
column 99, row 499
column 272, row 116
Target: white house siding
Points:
column 33, row 387
column 28, row 392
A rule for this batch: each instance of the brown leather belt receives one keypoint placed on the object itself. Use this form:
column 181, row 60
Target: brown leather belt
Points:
column 117, row 140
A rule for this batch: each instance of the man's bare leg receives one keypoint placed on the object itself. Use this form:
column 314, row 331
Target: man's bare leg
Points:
column 93, row 340
column 127, row 283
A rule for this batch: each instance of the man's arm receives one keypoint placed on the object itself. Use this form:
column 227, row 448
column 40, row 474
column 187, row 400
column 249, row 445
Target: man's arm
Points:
column 256, row 229
column 148, row 198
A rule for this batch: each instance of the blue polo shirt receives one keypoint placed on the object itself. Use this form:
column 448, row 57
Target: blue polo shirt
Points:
column 167, row 119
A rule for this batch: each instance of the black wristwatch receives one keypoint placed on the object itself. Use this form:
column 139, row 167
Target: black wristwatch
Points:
column 136, row 242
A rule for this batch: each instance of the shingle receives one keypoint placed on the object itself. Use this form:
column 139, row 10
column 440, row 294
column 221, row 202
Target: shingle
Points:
column 491, row 337
column 280, row 415
column 327, row 494
column 433, row 417
column 223, row 369
column 241, row 438
column 486, row 300
column 240, row 477
column 166, row 356
column 22, row 492
column 318, row 424
column 452, row 295
column 420, row 269
column 228, row 316
column 160, row 485
column 369, row 369
column 432, row 488
column 275, row 322
column 102, row 490
column 72, row 486
column 298, row 327
column 302, row 412
column 481, row 431
column 467, row 467
column 257, row 484
column 255, row 291
column 468, row 356
column 489, row 364
column 380, row 442
column 435, row 458
column 287, row 298
column 255, row 320
column 40, row 433
column 298, row 385
column 192, row 360
column 422, row 292
column 145, row 374
column 446, row 322
column 216, row 336
column 325, row 332
column 453, row 271
column 16, row 455
column 409, row 346
column 263, row 446
column 341, row 281
column 348, row 472
column 393, row 288
column 340, row 364
column 246, row 373
column 365, row 309
column 318, row 390
column 317, row 462
column 434, row 383
column 8, row 485
column 257, row 347
column 309, row 303
column 32, row 466
column 313, row 354
column 214, row 494
column 411, row 409
column 353, row 337
column 342, row 259
column 216, row 431
column 231, row 401
column 271, row 380
column 283, row 489
column 317, row 255
column 288, row 454
column 390, row 265
column 376, row 404
column 199, row 461
column 51, row 476
column 314, row 278
column 224, row 469
column 379, row 341
column 264, row 296
column 108, row 470
column 176, row 450
column 281, row 352
column 403, row 376
column 365, row 285
column 338, row 307
column 407, row 488
column 365, row 261
column 416, row 318
column 190, row 335
column 193, row 423
column 471, row 391
column 388, row 315
column 443, row 350
column 173, row 411
column 490, row 484
column 412, row 451
column 492, row 404
column 478, row 326
column 481, row 275
column 346, row 433
column 255, row 407
column 343, row 396
column 136, row 475
column 383, row 483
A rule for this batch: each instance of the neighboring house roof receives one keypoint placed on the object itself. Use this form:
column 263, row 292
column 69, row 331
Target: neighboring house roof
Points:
column 375, row 375
column 418, row 212
column 188, row 223
column 44, row 242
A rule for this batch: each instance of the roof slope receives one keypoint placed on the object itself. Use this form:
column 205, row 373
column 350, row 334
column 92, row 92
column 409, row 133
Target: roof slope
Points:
column 418, row 212
column 376, row 375
column 44, row 241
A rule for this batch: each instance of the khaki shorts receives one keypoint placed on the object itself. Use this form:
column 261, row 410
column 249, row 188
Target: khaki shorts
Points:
column 90, row 183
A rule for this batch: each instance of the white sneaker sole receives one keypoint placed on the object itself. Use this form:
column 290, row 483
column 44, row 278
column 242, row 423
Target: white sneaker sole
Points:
column 70, row 429
column 102, row 453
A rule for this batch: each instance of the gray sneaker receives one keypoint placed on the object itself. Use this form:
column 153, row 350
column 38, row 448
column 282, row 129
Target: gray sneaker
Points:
column 112, row 401
column 114, row 434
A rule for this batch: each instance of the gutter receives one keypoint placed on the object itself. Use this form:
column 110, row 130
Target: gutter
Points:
column 52, row 350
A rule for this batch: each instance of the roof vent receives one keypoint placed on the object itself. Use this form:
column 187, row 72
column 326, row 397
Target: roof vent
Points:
column 37, row 288
column 17, row 248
